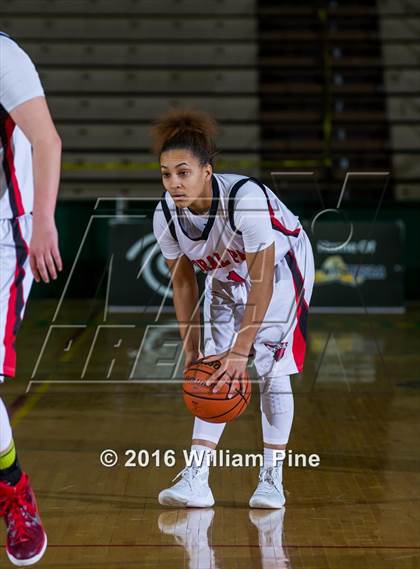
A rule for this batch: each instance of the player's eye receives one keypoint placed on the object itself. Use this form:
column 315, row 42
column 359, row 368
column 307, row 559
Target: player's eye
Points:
column 165, row 175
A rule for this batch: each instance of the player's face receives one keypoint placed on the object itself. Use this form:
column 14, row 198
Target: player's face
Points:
column 184, row 177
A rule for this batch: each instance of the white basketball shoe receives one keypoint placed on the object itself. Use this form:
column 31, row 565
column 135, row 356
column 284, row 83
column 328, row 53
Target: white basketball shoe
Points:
column 192, row 491
column 269, row 492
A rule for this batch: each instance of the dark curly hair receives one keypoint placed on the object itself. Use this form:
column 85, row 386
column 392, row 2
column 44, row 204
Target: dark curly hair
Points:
column 191, row 130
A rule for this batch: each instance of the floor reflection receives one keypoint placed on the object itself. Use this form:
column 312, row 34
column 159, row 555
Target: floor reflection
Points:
column 269, row 524
column 193, row 529
column 190, row 528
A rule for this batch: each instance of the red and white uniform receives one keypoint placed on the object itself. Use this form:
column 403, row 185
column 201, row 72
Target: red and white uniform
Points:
column 19, row 82
column 245, row 216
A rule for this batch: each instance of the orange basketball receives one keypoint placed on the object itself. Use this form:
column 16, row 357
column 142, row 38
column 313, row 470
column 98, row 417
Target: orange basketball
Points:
column 213, row 407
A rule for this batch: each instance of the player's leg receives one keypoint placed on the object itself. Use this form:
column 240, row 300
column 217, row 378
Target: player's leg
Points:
column 193, row 490
column 280, row 351
column 219, row 330
column 10, row 471
column 277, row 409
column 26, row 539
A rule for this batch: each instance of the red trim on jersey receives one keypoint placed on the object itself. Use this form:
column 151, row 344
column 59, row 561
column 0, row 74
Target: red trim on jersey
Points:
column 278, row 225
column 9, row 128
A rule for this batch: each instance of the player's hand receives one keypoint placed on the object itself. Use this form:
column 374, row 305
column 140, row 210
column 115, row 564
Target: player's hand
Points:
column 191, row 357
column 232, row 371
column 44, row 253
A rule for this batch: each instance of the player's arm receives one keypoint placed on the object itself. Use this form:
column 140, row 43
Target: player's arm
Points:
column 234, row 362
column 186, row 302
column 261, row 273
column 34, row 119
column 253, row 219
column 184, row 283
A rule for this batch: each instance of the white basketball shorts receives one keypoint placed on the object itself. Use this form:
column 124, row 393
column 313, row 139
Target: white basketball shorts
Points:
column 15, row 284
column 280, row 342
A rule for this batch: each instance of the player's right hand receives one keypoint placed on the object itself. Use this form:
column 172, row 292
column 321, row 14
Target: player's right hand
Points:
column 44, row 253
column 191, row 357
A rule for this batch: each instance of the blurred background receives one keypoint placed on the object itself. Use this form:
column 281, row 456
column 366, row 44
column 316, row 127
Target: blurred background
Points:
column 321, row 88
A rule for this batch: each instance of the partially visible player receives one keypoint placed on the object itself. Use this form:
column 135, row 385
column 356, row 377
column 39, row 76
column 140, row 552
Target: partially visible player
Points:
column 30, row 156
column 260, row 272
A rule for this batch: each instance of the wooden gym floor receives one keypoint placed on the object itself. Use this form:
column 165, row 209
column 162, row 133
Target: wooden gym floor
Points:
column 357, row 407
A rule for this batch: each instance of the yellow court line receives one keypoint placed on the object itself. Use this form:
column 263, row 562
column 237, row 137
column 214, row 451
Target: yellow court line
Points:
column 40, row 390
column 30, row 403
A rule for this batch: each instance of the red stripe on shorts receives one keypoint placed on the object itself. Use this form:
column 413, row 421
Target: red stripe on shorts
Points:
column 9, row 365
column 16, row 301
column 299, row 342
column 299, row 339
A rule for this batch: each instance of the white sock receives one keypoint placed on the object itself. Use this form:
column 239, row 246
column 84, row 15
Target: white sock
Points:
column 274, row 457
column 203, row 456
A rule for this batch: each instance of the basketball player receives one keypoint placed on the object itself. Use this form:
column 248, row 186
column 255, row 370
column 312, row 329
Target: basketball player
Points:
column 260, row 273
column 30, row 154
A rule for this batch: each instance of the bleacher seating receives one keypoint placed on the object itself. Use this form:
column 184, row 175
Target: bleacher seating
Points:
column 330, row 86
column 132, row 7
column 400, row 30
column 321, row 83
column 110, row 68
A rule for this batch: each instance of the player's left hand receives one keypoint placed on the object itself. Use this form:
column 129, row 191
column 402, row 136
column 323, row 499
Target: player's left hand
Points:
column 232, row 371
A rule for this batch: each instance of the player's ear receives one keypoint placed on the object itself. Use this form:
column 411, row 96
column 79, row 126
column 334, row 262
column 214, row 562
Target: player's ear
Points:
column 208, row 171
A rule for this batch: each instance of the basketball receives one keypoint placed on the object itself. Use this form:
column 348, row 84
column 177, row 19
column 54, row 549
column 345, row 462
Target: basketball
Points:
column 209, row 406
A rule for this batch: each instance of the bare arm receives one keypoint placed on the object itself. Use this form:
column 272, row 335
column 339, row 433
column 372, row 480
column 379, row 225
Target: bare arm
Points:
column 261, row 272
column 186, row 302
column 234, row 362
column 34, row 119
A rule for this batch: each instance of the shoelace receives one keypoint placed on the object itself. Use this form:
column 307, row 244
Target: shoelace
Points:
column 269, row 476
column 15, row 505
column 188, row 474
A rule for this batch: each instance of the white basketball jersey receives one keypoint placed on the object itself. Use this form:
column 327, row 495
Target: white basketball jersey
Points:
column 19, row 82
column 213, row 242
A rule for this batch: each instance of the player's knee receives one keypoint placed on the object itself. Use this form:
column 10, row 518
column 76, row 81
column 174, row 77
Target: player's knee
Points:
column 276, row 397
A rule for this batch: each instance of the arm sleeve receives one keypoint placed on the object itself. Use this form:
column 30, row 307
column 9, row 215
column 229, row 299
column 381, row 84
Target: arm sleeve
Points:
column 19, row 80
column 252, row 218
column 168, row 245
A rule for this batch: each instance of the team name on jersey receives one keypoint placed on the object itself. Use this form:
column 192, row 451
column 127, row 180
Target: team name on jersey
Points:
column 215, row 261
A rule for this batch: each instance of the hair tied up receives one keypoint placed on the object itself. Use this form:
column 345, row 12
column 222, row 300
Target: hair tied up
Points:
column 187, row 129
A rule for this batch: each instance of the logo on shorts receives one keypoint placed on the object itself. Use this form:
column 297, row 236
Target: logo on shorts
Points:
column 233, row 276
column 278, row 349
